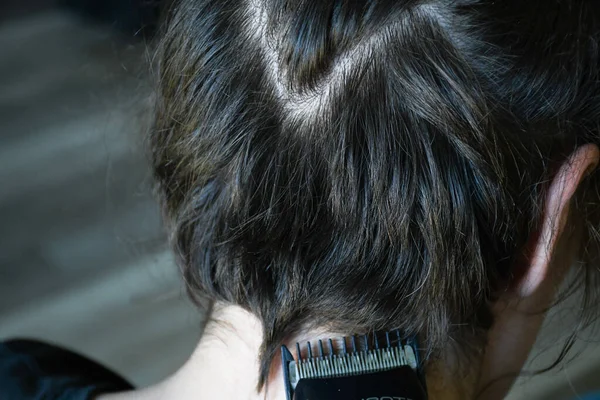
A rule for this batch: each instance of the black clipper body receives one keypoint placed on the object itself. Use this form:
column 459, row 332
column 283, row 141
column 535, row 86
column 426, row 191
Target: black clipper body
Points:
column 389, row 372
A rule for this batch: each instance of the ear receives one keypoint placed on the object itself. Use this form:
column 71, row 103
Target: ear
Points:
column 581, row 163
column 518, row 314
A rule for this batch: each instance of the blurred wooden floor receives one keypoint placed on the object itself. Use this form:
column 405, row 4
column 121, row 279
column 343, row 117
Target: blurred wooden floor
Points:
column 82, row 256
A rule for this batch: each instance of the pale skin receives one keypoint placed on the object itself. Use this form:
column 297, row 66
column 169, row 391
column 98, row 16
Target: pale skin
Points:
column 224, row 365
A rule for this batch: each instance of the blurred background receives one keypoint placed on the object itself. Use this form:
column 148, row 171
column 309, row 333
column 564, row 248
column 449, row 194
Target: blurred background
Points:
column 83, row 258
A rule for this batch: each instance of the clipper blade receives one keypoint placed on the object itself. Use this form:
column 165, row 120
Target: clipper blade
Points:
column 349, row 357
column 351, row 363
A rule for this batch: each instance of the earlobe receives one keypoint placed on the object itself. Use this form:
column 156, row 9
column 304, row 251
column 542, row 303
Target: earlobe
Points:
column 581, row 163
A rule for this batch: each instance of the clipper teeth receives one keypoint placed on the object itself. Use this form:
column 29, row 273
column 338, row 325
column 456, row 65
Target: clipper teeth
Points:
column 353, row 363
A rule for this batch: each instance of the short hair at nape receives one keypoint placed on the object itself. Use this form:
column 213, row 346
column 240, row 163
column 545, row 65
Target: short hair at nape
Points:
column 370, row 164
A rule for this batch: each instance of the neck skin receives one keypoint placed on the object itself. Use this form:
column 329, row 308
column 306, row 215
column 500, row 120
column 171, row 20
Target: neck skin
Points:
column 225, row 363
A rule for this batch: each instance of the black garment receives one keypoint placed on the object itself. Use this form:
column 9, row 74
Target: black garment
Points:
column 31, row 370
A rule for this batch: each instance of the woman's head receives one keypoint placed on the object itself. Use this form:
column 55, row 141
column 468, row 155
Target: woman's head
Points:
column 373, row 165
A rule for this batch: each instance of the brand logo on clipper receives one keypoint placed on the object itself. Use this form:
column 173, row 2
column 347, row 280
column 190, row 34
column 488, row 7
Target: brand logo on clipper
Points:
column 388, row 398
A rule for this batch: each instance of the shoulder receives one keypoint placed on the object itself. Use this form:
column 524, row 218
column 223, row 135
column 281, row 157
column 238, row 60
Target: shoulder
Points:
column 31, row 370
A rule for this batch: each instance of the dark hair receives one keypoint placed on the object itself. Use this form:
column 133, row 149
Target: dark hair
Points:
column 367, row 165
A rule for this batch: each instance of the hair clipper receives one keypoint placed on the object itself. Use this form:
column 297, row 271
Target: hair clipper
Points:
column 370, row 368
